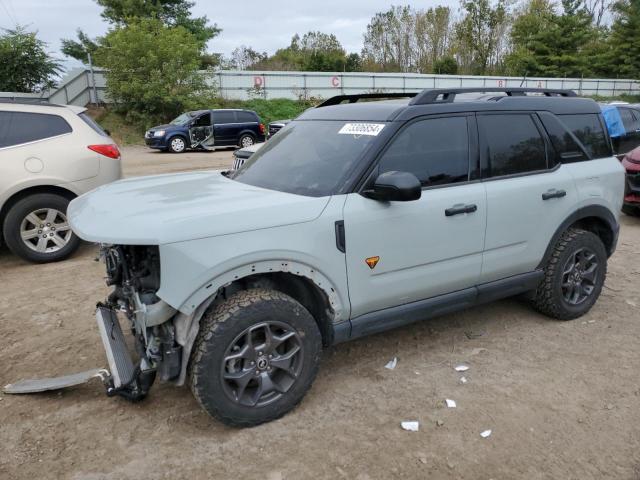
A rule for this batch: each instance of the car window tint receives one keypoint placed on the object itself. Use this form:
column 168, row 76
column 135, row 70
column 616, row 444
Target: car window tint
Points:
column 590, row 131
column 203, row 120
column 514, row 144
column 246, row 117
column 566, row 146
column 5, row 120
column 435, row 150
column 28, row 127
column 224, row 117
column 628, row 120
column 93, row 124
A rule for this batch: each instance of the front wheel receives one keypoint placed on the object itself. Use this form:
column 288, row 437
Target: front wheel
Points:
column 177, row 145
column 256, row 355
column 37, row 230
column 573, row 276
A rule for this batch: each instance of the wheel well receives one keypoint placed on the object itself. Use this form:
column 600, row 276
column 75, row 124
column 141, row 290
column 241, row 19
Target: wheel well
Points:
column 16, row 197
column 300, row 288
column 599, row 227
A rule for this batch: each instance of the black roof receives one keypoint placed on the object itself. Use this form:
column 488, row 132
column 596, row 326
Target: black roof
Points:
column 441, row 101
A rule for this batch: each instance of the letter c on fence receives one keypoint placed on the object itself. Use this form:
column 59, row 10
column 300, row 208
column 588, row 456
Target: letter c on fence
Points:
column 335, row 81
column 258, row 82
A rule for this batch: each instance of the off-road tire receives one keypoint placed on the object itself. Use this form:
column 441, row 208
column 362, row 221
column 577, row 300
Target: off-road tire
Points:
column 631, row 210
column 221, row 325
column 548, row 298
column 15, row 216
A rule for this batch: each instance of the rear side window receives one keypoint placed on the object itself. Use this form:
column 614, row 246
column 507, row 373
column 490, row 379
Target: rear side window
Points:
column 22, row 127
column 629, row 121
column 435, row 150
column 589, row 129
column 224, row 117
column 93, row 124
column 567, row 147
column 514, row 144
column 246, row 117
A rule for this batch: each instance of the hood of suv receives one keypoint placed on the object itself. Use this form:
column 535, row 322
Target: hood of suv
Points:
column 173, row 208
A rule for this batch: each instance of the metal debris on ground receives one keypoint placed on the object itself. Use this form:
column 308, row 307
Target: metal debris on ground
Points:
column 450, row 403
column 462, row 368
column 410, row 426
column 463, row 379
column 392, row 363
column 485, row 434
column 471, row 334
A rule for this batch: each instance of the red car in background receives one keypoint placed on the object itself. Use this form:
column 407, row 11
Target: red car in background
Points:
column 631, row 162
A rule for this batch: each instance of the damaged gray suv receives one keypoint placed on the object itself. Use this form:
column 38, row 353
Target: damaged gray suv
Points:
column 356, row 218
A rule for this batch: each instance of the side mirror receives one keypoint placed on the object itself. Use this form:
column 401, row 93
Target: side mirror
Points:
column 395, row 186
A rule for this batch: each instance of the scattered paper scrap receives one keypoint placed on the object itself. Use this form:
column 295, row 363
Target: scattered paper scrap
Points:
column 629, row 302
column 485, row 434
column 410, row 426
column 462, row 368
column 450, row 403
column 463, row 379
column 392, row 363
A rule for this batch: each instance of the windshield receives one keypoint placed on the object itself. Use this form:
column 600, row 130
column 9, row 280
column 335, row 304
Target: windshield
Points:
column 307, row 157
column 182, row 119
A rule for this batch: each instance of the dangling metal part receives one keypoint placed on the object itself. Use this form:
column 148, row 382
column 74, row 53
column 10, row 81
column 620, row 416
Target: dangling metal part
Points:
column 56, row 383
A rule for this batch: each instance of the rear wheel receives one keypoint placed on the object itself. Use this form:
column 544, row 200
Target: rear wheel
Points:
column 36, row 229
column 246, row 140
column 177, row 145
column 573, row 276
column 255, row 357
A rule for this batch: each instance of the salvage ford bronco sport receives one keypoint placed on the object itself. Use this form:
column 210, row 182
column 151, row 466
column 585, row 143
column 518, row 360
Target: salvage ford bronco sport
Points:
column 354, row 219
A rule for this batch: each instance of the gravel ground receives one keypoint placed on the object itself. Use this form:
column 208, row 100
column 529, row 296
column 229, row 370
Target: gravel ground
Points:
column 561, row 398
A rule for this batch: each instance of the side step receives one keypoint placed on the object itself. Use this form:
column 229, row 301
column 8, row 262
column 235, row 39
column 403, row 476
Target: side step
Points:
column 123, row 371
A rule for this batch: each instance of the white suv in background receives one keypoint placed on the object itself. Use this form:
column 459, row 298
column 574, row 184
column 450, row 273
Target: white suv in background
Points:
column 49, row 154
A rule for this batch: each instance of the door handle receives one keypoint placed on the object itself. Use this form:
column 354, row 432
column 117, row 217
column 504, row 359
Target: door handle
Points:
column 458, row 209
column 549, row 194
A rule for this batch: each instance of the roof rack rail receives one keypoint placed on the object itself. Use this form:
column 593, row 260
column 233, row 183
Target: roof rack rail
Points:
column 447, row 95
column 359, row 96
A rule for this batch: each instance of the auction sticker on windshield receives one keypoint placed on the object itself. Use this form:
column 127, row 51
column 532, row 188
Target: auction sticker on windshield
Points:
column 372, row 129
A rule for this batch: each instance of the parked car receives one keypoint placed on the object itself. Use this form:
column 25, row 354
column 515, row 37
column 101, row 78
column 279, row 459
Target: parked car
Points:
column 49, row 154
column 207, row 129
column 241, row 155
column 362, row 218
column 631, row 163
column 276, row 126
column 623, row 123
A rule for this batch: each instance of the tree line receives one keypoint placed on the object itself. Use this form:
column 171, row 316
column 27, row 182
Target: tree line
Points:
column 157, row 61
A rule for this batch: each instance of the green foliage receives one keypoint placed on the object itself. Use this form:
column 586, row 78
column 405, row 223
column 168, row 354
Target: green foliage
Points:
column 315, row 51
column 79, row 48
column 479, row 33
column 25, row 65
column 445, row 66
column 173, row 13
column 625, row 39
column 153, row 69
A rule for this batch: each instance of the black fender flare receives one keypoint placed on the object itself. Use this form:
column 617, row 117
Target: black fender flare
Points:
column 592, row 211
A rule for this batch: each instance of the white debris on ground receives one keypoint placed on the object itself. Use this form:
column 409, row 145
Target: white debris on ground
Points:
column 410, row 426
column 629, row 302
column 391, row 364
column 485, row 434
column 463, row 379
column 462, row 368
column 450, row 403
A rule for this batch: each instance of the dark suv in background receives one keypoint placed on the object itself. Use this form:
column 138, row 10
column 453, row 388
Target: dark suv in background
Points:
column 207, row 129
column 623, row 123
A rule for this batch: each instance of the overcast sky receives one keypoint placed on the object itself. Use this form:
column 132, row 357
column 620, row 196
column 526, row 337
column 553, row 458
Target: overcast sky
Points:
column 265, row 26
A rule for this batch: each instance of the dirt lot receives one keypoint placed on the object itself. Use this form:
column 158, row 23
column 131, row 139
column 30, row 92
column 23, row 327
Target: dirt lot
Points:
column 562, row 399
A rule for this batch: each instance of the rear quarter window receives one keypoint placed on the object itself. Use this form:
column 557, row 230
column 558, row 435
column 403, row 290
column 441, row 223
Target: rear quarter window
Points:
column 23, row 127
column 247, row 117
column 589, row 129
column 93, row 124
